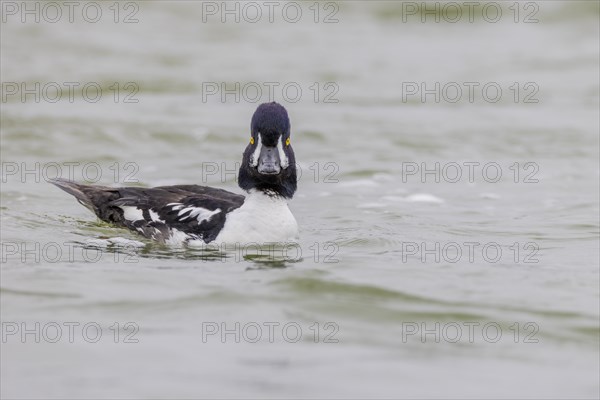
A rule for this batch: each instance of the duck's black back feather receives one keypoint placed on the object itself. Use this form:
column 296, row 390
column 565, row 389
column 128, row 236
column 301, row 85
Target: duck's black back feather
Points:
column 162, row 209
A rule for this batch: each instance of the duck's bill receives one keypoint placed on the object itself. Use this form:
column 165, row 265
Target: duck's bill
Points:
column 268, row 161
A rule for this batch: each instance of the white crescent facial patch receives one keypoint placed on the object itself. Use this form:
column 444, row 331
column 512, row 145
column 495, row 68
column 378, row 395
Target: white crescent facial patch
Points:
column 283, row 160
column 254, row 156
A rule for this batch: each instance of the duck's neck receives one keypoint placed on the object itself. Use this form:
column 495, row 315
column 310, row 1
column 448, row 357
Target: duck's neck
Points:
column 267, row 195
column 282, row 185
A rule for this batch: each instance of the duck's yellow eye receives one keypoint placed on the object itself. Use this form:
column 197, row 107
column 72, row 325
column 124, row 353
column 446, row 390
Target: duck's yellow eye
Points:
column 251, row 140
column 287, row 142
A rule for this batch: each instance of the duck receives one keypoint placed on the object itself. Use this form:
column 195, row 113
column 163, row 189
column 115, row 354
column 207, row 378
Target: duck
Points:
column 181, row 214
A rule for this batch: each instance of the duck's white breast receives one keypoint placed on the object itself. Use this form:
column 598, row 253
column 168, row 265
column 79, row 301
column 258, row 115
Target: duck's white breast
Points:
column 261, row 219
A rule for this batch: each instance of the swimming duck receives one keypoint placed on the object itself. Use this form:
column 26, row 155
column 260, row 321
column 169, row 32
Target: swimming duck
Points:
column 183, row 213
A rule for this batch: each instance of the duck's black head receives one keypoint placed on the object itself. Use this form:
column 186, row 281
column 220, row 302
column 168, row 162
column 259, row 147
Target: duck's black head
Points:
column 269, row 164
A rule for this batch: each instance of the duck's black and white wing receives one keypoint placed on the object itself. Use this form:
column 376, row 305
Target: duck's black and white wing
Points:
column 170, row 214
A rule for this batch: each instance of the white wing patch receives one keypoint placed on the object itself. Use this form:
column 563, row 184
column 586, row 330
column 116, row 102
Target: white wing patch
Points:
column 154, row 216
column 175, row 206
column 131, row 213
column 201, row 214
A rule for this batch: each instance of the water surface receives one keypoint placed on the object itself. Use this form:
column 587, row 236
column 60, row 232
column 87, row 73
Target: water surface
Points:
column 391, row 265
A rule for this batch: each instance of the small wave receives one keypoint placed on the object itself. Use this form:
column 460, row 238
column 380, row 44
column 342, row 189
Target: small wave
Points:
column 423, row 198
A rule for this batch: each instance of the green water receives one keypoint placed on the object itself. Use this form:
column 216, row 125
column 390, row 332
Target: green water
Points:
column 406, row 283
